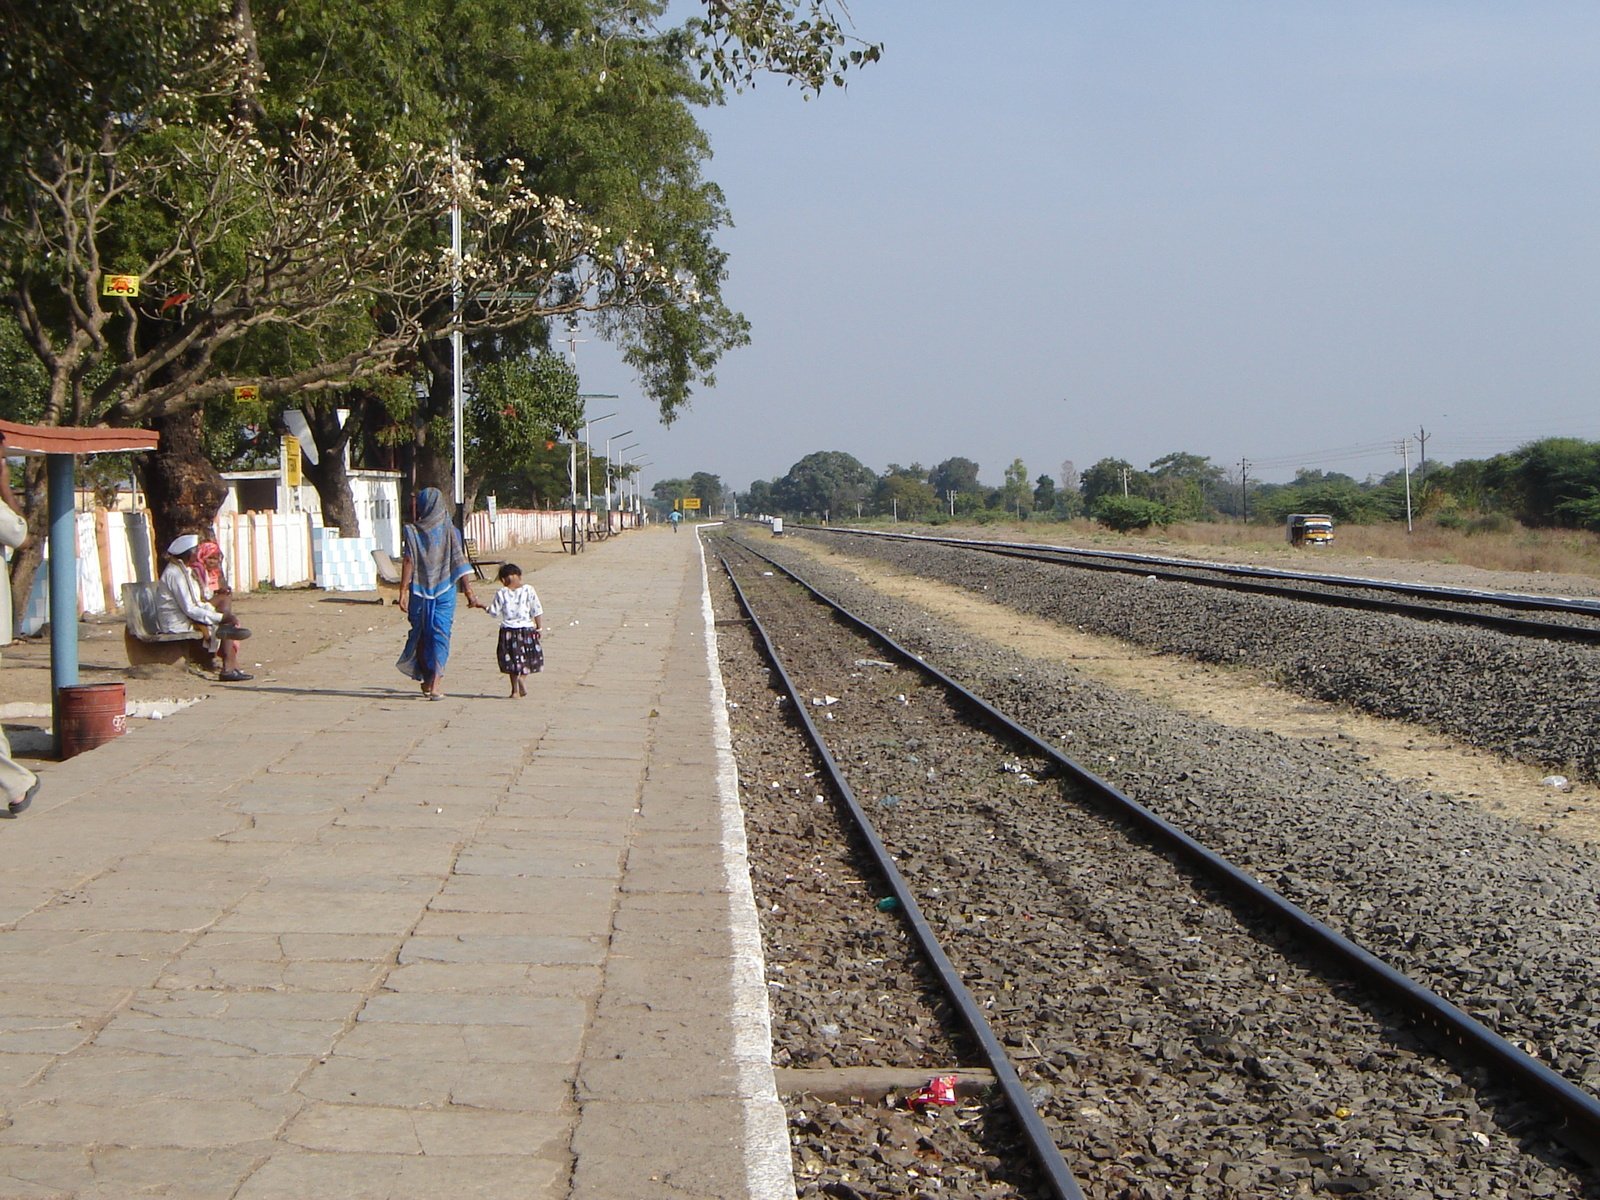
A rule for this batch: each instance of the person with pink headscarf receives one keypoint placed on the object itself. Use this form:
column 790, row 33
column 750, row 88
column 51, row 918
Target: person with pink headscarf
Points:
column 215, row 589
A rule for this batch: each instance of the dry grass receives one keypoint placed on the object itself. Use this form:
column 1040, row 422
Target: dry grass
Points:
column 1565, row 552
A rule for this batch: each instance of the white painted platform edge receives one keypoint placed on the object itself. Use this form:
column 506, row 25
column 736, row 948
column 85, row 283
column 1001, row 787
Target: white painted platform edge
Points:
column 769, row 1166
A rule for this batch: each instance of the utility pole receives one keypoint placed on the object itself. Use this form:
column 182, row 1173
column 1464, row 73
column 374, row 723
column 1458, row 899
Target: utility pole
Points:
column 1422, row 454
column 1124, row 482
column 1244, row 490
column 1405, row 454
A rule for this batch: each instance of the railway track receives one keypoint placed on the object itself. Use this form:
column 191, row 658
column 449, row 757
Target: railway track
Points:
column 1166, row 1029
column 1529, row 699
column 1563, row 619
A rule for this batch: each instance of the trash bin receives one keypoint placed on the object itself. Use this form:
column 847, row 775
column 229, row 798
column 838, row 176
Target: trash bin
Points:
column 90, row 715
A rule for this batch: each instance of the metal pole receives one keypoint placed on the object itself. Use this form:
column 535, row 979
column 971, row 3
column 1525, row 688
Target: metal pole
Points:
column 63, row 585
column 456, row 353
column 572, row 487
column 588, row 467
column 623, row 434
column 1405, row 452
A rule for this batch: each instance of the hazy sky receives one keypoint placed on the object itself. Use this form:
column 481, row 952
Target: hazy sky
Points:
column 1288, row 232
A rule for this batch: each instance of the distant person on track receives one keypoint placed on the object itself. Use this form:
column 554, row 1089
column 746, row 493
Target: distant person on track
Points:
column 520, row 651
column 181, row 608
column 433, row 565
column 18, row 785
column 675, row 518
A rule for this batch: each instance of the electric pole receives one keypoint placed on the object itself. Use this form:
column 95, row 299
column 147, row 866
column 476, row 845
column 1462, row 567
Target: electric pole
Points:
column 1244, row 490
column 1405, row 454
column 1422, row 454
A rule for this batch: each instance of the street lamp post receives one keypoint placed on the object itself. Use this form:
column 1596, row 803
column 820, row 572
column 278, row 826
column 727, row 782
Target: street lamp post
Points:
column 588, row 461
column 620, row 450
column 572, row 459
column 638, row 504
column 623, row 434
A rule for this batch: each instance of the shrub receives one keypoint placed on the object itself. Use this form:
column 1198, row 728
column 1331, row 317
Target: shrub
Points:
column 1128, row 513
column 1489, row 523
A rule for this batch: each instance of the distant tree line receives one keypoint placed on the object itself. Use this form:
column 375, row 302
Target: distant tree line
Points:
column 1550, row 483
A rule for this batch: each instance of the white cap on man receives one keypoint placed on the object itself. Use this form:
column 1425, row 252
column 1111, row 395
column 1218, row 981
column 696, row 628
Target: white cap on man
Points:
column 182, row 545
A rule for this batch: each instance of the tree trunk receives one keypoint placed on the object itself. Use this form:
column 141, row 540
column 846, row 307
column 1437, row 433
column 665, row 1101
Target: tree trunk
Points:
column 434, row 460
column 181, row 487
column 329, row 476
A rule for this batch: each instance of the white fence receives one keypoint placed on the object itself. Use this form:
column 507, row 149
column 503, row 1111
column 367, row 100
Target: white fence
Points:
column 517, row 526
column 259, row 548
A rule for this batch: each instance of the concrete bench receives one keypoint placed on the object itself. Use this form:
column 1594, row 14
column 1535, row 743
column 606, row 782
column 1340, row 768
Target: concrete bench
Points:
column 142, row 635
column 570, row 543
column 388, row 574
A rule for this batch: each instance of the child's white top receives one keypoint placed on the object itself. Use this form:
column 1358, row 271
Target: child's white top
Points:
column 516, row 607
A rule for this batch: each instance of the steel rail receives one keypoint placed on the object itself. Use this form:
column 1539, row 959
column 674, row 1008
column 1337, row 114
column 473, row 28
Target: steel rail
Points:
column 1046, row 1153
column 1579, row 1111
column 1254, row 580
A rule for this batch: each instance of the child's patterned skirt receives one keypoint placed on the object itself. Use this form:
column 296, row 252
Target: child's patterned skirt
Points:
column 519, row 652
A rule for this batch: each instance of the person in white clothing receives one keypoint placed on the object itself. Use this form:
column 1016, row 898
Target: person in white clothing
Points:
column 181, row 608
column 521, row 616
column 18, row 785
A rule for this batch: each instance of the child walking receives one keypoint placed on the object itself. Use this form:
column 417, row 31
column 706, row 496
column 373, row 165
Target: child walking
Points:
column 521, row 616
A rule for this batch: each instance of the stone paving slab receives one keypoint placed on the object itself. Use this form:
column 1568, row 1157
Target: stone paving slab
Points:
column 316, row 937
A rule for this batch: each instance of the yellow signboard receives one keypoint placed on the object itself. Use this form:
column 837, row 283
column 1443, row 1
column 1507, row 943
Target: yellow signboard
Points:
column 247, row 392
column 691, row 502
column 119, row 285
column 291, row 460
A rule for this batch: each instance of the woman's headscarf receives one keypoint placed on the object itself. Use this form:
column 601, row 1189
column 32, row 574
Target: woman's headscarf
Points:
column 437, row 558
column 208, row 567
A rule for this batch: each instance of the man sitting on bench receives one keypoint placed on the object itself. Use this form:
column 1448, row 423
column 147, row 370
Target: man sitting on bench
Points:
column 180, row 609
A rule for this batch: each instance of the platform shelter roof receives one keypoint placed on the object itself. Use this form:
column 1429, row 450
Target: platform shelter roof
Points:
column 63, row 439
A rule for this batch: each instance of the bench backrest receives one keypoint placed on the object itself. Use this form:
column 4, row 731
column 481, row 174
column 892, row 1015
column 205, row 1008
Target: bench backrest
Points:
column 139, row 607
column 388, row 569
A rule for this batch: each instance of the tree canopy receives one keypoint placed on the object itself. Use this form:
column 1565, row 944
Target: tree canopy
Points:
column 828, row 483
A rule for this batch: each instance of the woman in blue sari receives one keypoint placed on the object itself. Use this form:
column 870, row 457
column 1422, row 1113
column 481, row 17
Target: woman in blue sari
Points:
column 432, row 566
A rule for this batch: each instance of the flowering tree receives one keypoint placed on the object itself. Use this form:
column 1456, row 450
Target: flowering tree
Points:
column 283, row 245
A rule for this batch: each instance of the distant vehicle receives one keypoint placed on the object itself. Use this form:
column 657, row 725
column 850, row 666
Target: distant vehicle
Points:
column 1309, row 529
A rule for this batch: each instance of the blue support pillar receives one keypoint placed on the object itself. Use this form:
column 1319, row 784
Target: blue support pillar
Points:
column 63, row 583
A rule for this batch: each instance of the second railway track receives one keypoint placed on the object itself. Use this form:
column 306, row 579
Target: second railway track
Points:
column 1528, row 699
column 1181, row 1030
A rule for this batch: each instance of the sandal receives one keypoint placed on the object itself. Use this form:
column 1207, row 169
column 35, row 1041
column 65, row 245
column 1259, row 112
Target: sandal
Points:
column 17, row 806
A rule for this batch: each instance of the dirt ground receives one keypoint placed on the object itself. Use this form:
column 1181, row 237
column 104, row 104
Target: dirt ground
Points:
column 286, row 626
column 1246, row 699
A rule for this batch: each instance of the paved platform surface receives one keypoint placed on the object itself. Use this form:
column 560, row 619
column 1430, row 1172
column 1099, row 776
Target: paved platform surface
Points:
column 319, row 937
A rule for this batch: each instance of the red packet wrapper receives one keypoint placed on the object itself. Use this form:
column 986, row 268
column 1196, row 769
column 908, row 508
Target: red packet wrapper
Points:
column 941, row 1090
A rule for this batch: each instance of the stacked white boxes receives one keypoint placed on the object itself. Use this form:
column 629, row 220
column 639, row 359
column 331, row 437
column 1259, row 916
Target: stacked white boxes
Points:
column 343, row 564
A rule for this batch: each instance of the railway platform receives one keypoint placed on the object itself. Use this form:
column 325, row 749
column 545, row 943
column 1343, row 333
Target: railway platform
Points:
column 317, row 937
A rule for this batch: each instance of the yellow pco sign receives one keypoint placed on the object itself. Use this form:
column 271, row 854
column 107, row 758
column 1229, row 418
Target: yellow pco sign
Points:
column 245, row 393
column 125, row 286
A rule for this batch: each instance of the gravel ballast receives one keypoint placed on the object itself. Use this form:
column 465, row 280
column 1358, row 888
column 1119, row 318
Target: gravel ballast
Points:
column 1420, row 879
